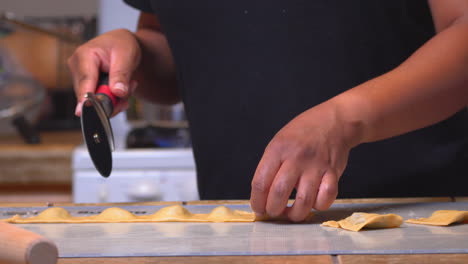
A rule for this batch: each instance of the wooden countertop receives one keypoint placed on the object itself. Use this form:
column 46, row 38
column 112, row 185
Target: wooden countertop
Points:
column 299, row 259
column 295, row 259
column 41, row 172
column 47, row 163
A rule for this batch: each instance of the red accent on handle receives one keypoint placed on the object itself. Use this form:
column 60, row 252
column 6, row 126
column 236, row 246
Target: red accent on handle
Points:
column 105, row 89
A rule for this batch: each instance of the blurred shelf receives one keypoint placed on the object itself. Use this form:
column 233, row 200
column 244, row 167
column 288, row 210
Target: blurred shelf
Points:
column 47, row 163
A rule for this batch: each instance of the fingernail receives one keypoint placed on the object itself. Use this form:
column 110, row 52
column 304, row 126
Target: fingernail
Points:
column 259, row 216
column 78, row 108
column 120, row 89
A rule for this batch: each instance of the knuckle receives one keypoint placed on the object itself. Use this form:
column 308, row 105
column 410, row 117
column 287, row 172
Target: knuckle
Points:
column 80, row 55
column 123, row 31
column 259, row 186
column 330, row 191
column 305, row 200
column 303, row 151
column 328, row 194
column 73, row 61
column 121, row 74
column 81, row 51
column 280, row 189
column 295, row 147
column 285, row 146
column 275, row 145
column 84, row 78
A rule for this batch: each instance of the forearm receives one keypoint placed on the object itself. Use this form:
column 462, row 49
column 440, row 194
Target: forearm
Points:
column 428, row 87
column 156, row 73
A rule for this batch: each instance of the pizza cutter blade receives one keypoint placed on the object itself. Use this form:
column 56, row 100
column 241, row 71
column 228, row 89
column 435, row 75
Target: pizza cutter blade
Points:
column 96, row 127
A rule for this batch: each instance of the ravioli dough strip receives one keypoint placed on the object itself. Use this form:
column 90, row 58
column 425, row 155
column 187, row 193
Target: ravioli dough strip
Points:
column 175, row 213
column 442, row 218
column 358, row 221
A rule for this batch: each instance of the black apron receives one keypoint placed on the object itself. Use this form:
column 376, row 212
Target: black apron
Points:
column 247, row 67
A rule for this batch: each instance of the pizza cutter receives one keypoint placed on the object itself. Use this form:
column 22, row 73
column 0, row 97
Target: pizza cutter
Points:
column 96, row 127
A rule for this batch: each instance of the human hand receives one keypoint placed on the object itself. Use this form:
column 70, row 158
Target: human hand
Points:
column 309, row 154
column 116, row 52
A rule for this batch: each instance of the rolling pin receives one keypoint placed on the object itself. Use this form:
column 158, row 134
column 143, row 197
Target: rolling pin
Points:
column 19, row 246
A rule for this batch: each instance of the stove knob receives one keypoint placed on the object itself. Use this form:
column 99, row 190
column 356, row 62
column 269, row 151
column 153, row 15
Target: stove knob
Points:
column 144, row 191
column 103, row 192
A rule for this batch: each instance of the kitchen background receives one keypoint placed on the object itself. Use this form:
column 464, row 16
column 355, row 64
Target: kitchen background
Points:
column 42, row 156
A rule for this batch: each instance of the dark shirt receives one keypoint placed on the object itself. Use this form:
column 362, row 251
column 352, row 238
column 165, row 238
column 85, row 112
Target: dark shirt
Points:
column 247, row 67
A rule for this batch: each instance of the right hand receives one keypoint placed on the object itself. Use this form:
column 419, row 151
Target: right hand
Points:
column 116, row 52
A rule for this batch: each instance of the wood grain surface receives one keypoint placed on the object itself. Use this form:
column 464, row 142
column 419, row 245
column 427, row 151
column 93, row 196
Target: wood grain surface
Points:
column 48, row 163
column 20, row 246
column 397, row 259
column 65, row 140
column 461, row 199
column 204, row 260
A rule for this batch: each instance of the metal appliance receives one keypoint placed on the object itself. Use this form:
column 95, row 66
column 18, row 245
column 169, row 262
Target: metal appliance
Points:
column 138, row 175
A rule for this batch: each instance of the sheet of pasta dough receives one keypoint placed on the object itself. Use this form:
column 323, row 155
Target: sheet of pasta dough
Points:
column 358, row 221
column 442, row 218
column 175, row 213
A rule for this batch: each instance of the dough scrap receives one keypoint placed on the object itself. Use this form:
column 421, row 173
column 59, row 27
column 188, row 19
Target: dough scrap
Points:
column 358, row 221
column 174, row 213
column 442, row 218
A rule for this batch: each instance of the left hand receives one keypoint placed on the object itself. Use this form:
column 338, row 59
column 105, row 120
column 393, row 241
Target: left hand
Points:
column 310, row 154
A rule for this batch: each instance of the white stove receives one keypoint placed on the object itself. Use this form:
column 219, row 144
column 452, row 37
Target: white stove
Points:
column 156, row 174
column 137, row 175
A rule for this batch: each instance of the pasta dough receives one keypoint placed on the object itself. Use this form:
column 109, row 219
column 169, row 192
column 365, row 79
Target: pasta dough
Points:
column 442, row 218
column 358, row 221
column 175, row 213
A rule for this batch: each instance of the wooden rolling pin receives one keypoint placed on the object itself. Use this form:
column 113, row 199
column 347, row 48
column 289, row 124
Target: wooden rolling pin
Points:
column 19, row 246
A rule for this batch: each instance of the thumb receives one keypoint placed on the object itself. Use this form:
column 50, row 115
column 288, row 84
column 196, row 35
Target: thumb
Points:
column 119, row 81
column 121, row 69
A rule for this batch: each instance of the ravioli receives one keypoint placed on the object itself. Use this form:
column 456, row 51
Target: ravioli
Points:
column 442, row 218
column 174, row 213
column 358, row 221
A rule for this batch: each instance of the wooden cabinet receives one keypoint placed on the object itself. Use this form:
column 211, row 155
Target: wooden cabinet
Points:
column 37, row 173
